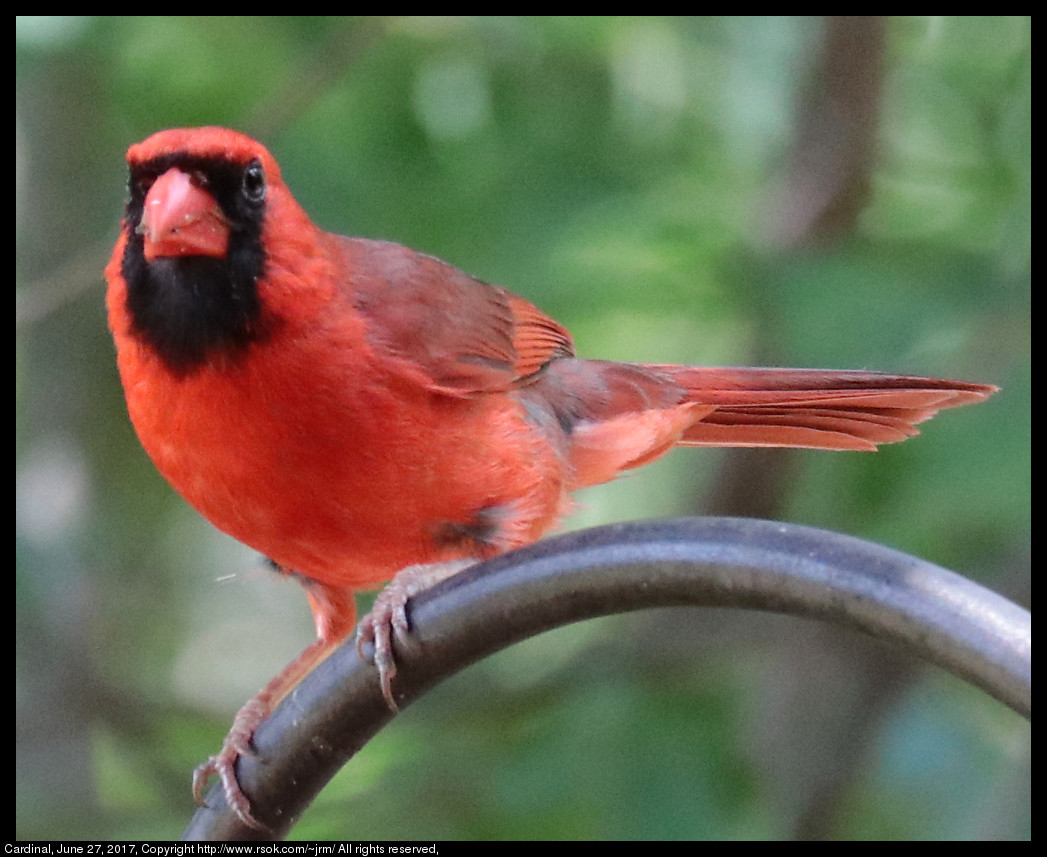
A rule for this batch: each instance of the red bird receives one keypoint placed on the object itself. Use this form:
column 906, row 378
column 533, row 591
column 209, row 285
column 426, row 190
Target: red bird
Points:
column 354, row 409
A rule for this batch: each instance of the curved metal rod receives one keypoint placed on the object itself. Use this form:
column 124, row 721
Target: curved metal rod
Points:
column 713, row 562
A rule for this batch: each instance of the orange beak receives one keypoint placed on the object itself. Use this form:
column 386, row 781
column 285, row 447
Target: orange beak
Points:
column 182, row 219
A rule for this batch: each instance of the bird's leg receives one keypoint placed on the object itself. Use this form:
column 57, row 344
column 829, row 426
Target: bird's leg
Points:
column 388, row 617
column 334, row 611
column 238, row 742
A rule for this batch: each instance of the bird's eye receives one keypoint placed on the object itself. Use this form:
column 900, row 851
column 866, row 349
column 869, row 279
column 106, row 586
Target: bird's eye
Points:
column 254, row 182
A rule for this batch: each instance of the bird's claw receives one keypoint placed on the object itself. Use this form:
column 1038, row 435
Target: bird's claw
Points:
column 236, row 744
column 388, row 620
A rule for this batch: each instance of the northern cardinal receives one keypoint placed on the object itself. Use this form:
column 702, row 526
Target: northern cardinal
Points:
column 354, row 409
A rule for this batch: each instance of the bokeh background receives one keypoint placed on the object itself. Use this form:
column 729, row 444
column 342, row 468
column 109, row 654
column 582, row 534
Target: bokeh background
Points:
column 847, row 193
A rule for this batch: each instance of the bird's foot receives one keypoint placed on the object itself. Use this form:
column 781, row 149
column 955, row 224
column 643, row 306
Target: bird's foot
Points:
column 388, row 620
column 236, row 744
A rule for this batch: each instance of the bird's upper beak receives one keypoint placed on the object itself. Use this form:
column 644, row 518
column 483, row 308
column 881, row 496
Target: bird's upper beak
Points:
column 182, row 218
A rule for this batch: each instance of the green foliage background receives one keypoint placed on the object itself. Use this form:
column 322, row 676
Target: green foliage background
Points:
column 615, row 171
